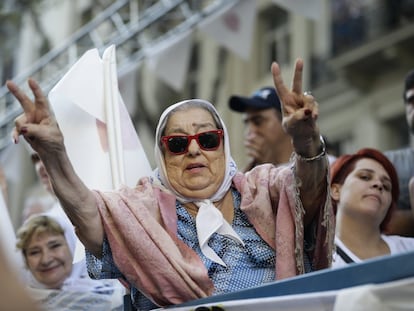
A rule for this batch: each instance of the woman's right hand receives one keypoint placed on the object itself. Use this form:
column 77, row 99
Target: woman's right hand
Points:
column 37, row 123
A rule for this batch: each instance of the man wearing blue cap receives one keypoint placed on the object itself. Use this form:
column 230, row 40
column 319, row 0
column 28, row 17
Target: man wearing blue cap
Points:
column 265, row 139
column 402, row 220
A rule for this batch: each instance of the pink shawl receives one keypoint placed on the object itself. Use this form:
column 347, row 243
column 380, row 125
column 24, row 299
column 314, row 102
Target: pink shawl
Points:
column 141, row 227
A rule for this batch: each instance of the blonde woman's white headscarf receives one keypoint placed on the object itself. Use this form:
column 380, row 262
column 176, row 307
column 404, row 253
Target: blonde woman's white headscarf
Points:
column 78, row 287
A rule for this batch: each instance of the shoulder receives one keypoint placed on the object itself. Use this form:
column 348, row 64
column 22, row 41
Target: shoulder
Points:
column 269, row 170
column 343, row 255
column 146, row 186
column 263, row 174
column 399, row 243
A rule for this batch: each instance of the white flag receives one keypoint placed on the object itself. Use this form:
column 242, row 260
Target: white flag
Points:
column 233, row 27
column 8, row 237
column 309, row 8
column 169, row 59
column 78, row 101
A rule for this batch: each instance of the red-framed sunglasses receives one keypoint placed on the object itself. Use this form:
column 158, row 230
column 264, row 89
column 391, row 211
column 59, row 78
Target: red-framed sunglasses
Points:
column 178, row 144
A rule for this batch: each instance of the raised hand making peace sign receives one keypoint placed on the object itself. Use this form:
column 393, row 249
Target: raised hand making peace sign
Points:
column 37, row 123
column 134, row 231
column 300, row 112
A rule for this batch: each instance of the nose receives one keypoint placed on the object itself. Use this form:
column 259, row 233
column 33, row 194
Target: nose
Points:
column 251, row 130
column 378, row 185
column 46, row 258
column 193, row 147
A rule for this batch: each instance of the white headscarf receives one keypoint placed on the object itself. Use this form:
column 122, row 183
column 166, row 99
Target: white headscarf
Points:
column 209, row 219
column 78, row 280
column 78, row 288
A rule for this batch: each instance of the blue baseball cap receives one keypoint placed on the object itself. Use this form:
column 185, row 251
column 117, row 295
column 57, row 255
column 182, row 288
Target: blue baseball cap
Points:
column 263, row 98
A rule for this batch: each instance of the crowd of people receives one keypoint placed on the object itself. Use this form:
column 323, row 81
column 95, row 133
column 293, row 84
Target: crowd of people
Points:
column 403, row 161
column 200, row 221
column 199, row 226
column 394, row 232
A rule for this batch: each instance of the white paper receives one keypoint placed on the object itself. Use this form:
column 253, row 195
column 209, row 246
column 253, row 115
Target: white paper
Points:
column 78, row 103
column 8, row 237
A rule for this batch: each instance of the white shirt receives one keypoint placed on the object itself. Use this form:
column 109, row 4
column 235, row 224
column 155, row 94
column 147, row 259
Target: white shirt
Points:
column 397, row 244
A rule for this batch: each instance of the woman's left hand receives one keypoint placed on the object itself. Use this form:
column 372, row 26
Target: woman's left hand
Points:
column 300, row 110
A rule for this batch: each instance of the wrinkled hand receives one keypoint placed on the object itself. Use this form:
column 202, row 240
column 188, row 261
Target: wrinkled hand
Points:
column 37, row 123
column 299, row 111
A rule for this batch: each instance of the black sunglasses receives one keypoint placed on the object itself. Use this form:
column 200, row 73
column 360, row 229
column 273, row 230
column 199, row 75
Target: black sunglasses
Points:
column 178, row 144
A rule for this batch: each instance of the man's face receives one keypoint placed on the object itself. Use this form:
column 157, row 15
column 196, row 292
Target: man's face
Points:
column 263, row 130
column 41, row 172
column 409, row 109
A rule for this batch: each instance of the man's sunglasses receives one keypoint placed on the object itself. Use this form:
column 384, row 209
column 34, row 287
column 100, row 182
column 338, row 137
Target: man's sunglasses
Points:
column 178, row 144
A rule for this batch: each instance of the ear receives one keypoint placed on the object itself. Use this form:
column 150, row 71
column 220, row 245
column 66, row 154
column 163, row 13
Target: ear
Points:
column 336, row 191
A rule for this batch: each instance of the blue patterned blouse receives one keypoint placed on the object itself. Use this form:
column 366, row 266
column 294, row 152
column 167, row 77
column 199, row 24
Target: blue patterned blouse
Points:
column 250, row 265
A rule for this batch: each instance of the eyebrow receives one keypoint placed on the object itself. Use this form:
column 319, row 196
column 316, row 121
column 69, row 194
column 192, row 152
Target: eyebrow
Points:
column 247, row 118
column 383, row 177
column 50, row 242
column 33, row 248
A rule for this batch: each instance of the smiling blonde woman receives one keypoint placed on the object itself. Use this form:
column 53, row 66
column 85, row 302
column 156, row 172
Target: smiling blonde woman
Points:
column 54, row 280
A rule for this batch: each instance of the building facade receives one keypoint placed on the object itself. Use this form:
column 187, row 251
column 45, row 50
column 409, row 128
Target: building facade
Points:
column 356, row 54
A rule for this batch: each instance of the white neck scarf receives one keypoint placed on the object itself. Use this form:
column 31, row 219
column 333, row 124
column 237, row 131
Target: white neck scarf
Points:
column 209, row 219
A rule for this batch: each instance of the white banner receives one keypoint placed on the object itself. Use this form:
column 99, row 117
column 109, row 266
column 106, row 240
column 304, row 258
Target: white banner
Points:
column 391, row 296
column 169, row 59
column 309, row 8
column 301, row 302
column 78, row 102
column 8, row 237
column 233, row 27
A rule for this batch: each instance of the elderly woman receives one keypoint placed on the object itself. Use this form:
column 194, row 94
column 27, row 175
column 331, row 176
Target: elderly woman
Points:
column 365, row 193
column 54, row 280
column 200, row 227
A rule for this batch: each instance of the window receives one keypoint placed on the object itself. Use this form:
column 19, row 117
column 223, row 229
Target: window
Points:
column 274, row 38
column 398, row 132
